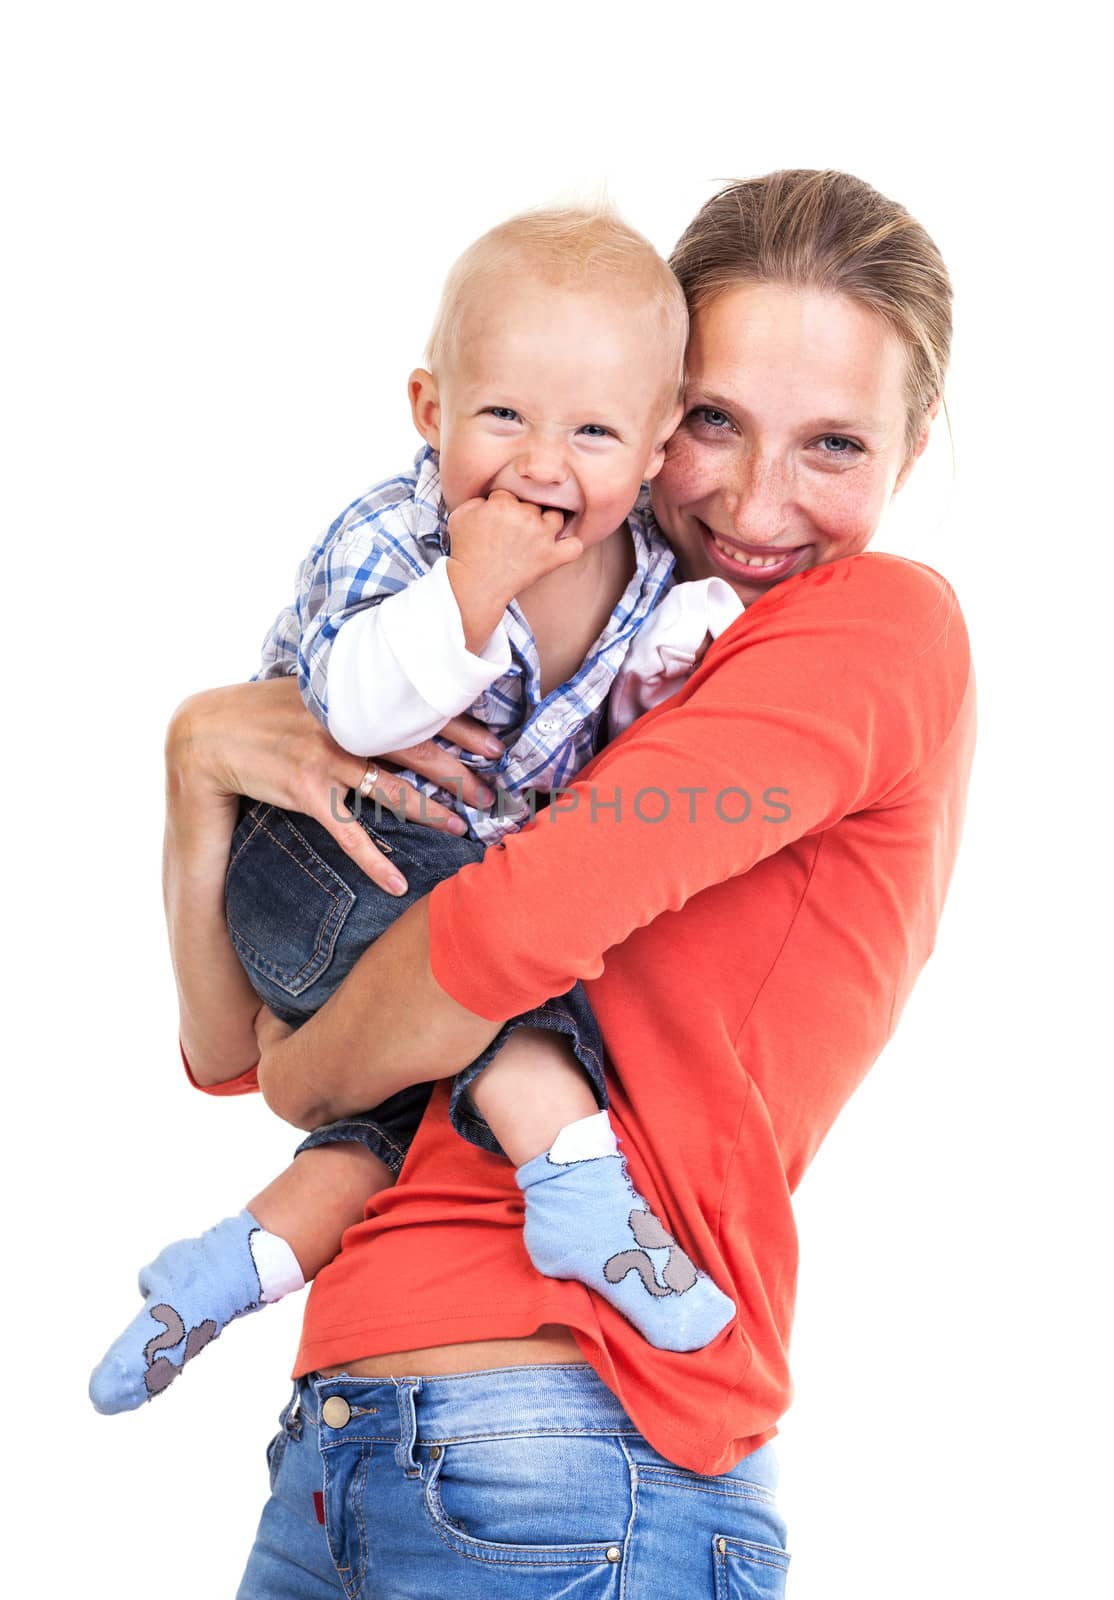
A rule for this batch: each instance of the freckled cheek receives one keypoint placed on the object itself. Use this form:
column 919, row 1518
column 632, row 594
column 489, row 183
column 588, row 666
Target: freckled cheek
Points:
column 684, row 475
column 847, row 514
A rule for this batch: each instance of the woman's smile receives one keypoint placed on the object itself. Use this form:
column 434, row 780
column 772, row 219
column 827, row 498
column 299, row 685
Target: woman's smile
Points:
column 752, row 563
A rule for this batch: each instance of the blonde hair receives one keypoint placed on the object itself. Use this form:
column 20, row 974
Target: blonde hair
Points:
column 829, row 231
column 585, row 248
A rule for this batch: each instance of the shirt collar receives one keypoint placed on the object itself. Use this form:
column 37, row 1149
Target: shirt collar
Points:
column 430, row 522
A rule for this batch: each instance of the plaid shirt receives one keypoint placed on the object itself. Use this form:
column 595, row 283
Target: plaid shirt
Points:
column 384, row 541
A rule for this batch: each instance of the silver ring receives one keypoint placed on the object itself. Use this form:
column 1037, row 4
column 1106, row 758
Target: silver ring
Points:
column 368, row 781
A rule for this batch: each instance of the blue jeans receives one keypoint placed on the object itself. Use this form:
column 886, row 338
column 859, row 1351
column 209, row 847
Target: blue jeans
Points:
column 300, row 915
column 514, row 1484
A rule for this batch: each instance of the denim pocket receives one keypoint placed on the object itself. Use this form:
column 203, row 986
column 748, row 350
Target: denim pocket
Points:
column 746, row 1570
column 285, row 904
column 545, row 1500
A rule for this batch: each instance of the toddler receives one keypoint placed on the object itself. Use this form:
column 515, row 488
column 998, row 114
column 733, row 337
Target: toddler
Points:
column 508, row 575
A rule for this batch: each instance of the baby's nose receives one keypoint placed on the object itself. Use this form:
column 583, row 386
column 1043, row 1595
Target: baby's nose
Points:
column 542, row 463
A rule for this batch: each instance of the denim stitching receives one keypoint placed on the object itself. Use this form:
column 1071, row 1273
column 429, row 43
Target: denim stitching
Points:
column 339, row 910
column 326, row 1485
column 354, row 1122
column 376, row 1128
column 358, row 1516
column 635, row 1484
column 249, row 836
column 505, row 1555
column 408, row 1391
column 731, row 1489
column 758, row 1553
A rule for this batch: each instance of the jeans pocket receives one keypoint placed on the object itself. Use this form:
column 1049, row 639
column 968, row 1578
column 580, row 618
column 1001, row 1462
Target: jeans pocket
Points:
column 559, row 1501
column 746, row 1570
column 285, row 904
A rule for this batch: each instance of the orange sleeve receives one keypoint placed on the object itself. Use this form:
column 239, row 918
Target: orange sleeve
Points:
column 246, row 1083
column 821, row 700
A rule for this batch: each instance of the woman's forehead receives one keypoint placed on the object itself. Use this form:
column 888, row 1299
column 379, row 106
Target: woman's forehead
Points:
column 768, row 344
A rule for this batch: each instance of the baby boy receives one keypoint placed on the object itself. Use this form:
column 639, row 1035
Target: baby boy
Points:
column 506, row 575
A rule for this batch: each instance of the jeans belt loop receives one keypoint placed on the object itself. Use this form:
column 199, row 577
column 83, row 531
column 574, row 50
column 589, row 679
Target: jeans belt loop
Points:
column 291, row 1419
column 408, row 1389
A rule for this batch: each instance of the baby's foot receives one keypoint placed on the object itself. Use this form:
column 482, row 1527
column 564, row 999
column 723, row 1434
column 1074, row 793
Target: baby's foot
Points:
column 584, row 1220
column 191, row 1291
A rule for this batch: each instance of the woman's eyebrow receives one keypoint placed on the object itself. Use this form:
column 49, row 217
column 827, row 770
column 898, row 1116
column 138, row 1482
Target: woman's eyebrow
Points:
column 828, row 424
column 843, row 425
column 714, row 402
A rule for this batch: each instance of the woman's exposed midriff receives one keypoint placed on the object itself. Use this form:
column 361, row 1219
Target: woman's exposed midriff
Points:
column 550, row 1345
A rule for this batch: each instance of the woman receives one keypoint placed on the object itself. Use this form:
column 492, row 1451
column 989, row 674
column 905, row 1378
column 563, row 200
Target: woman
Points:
column 749, row 881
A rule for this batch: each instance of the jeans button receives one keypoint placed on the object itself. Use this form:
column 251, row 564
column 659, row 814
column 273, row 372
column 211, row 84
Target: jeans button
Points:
column 613, row 1553
column 336, row 1411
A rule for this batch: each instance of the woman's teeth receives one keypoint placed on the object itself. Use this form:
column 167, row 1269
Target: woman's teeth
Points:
column 749, row 561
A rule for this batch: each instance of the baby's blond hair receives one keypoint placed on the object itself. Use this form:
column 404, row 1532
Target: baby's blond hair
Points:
column 585, row 248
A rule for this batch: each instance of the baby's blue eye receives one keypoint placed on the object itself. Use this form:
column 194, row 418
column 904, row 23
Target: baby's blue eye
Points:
column 595, row 430
column 502, row 413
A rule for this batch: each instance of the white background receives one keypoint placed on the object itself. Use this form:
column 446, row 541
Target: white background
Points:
column 226, row 229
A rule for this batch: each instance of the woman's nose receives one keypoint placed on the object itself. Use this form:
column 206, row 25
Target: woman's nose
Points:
column 759, row 501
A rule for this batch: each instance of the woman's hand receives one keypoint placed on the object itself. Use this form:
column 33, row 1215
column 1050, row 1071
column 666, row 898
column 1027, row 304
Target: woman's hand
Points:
column 258, row 739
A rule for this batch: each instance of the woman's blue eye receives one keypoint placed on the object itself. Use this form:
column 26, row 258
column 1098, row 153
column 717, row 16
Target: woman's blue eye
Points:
column 711, row 417
column 840, row 445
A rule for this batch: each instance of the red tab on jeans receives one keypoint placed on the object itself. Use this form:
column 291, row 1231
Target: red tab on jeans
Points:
column 319, row 1506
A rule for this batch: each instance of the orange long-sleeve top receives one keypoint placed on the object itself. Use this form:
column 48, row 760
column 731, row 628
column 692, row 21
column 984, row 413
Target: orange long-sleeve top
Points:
column 748, row 882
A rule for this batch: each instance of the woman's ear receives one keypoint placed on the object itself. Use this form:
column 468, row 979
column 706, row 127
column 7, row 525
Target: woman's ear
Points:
column 425, row 406
column 921, row 441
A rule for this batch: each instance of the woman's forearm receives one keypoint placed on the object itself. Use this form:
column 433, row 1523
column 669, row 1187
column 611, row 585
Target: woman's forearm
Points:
column 258, row 739
column 216, row 1002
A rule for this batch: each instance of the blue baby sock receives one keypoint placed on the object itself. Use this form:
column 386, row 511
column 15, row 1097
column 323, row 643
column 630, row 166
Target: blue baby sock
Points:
column 584, row 1220
column 191, row 1291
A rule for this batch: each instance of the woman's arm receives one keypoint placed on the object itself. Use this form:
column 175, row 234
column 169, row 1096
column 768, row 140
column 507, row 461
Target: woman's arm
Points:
column 258, row 739
column 390, row 1024
column 820, row 702
column 216, row 1003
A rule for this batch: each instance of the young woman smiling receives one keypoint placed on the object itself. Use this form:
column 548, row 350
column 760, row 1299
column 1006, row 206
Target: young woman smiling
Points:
column 461, row 1425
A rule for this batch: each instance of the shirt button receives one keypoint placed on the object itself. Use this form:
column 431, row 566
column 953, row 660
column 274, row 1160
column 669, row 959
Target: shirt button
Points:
column 548, row 724
column 336, row 1411
column 613, row 1553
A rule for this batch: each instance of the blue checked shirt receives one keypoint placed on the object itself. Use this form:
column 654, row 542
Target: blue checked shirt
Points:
column 393, row 535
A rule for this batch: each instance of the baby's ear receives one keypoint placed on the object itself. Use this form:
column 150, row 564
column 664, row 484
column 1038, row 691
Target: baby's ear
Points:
column 425, row 406
column 665, row 433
